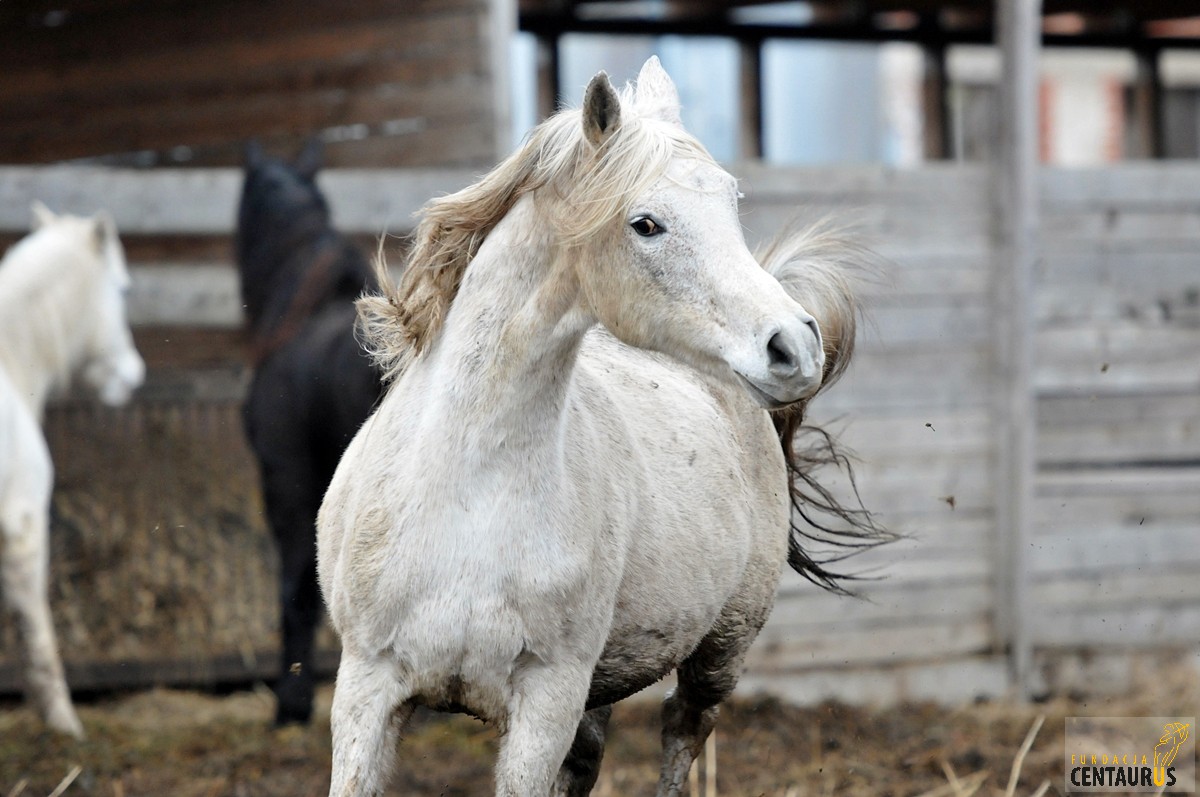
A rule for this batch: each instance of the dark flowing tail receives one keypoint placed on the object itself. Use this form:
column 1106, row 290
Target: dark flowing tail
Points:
column 817, row 266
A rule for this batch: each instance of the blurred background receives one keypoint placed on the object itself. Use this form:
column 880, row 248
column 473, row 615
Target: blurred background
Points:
column 883, row 114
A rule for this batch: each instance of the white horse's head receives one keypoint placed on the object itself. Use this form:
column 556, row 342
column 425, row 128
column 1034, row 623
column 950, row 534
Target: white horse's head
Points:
column 646, row 221
column 672, row 273
column 107, row 359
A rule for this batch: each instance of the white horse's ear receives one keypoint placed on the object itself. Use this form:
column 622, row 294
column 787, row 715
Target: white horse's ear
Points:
column 104, row 229
column 42, row 215
column 601, row 110
column 656, row 95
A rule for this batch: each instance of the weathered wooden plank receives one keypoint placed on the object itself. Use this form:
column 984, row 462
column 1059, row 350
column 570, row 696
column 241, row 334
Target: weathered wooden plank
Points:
column 1116, row 550
column 1117, row 358
column 1129, row 482
column 923, row 561
column 115, row 29
column 207, row 121
column 1104, row 287
column 892, row 643
column 949, row 377
column 459, row 141
column 946, row 680
column 873, row 224
column 903, row 433
column 1127, row 183
column 961, row 564
column 1100, row 592
column 819, row 612
column 1099, row 226
column 899, row 486
column 1163, row 624
column 362, row 201
column 185, row 295
column 1112, row 429
column 1079, row 503
column 352, row 53
column 933, row 183
column 957, row 322
column 936, row 548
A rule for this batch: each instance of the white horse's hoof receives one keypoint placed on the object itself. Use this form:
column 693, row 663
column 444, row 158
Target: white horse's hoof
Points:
column 65, row 720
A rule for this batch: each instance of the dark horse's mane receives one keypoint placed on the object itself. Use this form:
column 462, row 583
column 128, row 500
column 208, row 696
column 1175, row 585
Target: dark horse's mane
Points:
column 291, row 259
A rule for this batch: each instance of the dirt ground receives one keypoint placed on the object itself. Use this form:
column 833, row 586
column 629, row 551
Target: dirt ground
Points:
column 184, row 743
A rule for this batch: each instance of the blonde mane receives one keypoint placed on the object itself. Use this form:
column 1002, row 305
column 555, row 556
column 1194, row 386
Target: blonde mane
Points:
column 586, row 189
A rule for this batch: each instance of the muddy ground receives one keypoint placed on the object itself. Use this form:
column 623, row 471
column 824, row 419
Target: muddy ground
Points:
column 185, row 743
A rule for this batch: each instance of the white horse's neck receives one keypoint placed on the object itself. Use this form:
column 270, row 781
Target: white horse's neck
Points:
column 42, row 303
column 512, row 334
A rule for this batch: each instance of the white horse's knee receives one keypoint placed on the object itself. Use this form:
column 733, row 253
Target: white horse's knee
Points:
column 370, row 708
column 24, row 554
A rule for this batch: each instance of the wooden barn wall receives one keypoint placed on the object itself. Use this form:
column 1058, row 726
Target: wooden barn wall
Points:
column 387, row 83
column 1116, row 555
column 1115, row 565
column 915, row 410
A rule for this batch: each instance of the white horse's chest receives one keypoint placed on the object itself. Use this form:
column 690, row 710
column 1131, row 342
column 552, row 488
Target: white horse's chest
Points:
column 470, row 564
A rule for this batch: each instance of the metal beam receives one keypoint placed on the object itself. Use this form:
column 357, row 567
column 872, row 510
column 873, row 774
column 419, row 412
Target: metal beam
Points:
column 553, row 24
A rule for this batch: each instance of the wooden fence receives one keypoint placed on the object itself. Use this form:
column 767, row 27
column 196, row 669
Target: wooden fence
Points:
column 1113, row 577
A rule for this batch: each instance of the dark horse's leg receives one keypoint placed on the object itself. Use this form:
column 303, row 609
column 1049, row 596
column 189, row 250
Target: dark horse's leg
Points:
column 292, row 488
column 582, row 765
column 292, row 494
column 705, row 679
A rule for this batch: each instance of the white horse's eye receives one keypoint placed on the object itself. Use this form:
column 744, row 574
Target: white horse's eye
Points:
column 645, row 226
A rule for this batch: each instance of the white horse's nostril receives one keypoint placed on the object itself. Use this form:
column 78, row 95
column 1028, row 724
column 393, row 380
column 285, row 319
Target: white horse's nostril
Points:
column 783, row 358
column 811, row 323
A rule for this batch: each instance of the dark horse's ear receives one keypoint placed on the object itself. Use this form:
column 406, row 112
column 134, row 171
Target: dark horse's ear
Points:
column 252, row 153
column 308, row 162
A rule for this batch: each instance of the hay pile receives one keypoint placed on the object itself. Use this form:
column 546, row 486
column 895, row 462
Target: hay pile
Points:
column 159, row 548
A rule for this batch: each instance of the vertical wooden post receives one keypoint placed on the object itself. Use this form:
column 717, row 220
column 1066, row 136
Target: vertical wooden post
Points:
column 1018, row 27
column 1147, row 104
column 750, row 113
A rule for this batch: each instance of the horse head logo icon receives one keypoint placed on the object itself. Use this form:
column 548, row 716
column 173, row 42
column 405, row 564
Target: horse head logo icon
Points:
column 1174, row 735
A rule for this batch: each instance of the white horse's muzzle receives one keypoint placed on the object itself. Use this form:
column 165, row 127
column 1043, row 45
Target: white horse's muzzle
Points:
column 792, row 362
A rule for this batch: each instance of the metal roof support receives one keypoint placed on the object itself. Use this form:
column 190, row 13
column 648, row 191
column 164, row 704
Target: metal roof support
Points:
column 1147, row 104
column 934, row 103
column 549, row 88
column 750, row 114
column 1018, row 28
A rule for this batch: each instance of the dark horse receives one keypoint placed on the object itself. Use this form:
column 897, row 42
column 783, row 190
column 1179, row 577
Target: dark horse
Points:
column 313, row 386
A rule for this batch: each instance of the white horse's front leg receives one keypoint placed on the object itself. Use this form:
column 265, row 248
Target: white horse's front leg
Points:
column 544, row 713
column 24, row 574
column 370, row 707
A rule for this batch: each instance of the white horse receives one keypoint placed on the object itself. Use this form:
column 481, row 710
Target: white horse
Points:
column 572, row 487
column 62, row 312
